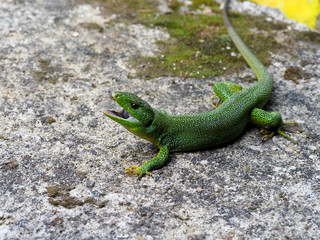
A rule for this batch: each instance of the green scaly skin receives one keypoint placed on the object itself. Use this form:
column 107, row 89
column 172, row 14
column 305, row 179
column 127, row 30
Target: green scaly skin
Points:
column 171, row 133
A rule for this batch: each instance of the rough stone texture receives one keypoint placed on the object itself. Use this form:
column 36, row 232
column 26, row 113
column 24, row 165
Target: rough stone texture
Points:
column 62, row 161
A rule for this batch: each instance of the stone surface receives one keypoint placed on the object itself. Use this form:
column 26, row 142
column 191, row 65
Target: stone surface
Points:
column 62, row 161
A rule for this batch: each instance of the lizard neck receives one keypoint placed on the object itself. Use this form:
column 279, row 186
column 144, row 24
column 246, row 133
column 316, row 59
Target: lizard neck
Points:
column 154, row 132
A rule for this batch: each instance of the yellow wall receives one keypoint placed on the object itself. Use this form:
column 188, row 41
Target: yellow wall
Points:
column 304, row 11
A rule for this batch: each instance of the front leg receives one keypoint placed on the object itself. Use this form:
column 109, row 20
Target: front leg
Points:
column 154, row 163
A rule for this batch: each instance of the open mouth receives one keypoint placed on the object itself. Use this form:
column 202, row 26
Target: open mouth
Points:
column 122, row 114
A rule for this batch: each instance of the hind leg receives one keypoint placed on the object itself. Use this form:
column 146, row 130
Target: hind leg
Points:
column 223, row 90
column 269, row 119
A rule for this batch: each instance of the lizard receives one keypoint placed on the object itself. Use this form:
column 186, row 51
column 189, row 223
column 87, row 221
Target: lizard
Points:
column 235, row 109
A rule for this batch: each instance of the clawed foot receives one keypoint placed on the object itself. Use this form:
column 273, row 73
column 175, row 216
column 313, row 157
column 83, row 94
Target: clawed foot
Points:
column 269, row 134
column 134, row 170
column 217, row 104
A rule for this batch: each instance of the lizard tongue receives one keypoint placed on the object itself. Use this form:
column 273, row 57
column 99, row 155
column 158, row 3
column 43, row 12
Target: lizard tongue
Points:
column 121, row 114
column 125, row 114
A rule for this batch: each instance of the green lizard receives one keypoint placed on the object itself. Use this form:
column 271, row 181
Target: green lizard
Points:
column 171, row 133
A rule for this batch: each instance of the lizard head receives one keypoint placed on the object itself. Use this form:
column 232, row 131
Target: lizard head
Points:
column 136, row 115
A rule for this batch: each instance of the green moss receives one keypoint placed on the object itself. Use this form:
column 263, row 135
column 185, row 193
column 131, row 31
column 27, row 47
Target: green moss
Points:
column 124, row 8
column 40, row 75
column 249, row 79
column 65, row 76
column 90, row 200
column 74, row 98
column 92, row 26
column 175, row 5
column 58, row 221
column 283, row 196
column 199, row 45
column 51, row 120
column 295, row 74
column 13, row 165
column 52, row 80
column 67, row 202
column 47, row 71
column 44, row 63
column 48, row 120
column 50, row 73
column 190, row 52
column 310, row 36
column 181, row 218
column 59, row 195
column 196, row 4
column 82, row 175
column 53, row 191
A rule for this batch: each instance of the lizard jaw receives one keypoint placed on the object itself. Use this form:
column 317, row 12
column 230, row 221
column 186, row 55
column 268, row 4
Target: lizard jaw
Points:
column 122, row 114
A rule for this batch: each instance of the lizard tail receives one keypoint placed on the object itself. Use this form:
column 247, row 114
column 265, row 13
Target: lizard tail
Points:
column 254, row 63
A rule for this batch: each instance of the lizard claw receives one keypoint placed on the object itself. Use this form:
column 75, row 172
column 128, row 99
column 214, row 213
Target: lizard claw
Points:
column 270, row 134
column 265, row 131
column 285, row 135
column 267, row 136
column 217, row 104
column 134, row 170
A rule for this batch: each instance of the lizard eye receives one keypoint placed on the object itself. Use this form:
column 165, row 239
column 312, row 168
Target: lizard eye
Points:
column 134, row 106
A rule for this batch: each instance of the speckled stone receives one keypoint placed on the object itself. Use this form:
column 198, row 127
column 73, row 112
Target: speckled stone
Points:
column 62, row 161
